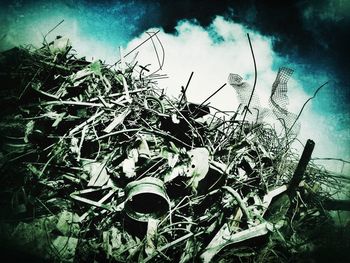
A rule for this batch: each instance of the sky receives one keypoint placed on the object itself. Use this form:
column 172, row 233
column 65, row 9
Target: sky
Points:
column 209, row 38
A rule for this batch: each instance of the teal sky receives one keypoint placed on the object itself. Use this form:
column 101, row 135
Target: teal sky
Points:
column 99, row 27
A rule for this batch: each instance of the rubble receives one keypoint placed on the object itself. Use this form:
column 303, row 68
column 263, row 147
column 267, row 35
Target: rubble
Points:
column 125, row 173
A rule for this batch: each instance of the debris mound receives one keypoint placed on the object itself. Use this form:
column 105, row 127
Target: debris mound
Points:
column 99, row 164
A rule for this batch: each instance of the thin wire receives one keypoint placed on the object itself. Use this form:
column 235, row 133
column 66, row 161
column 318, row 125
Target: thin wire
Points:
column 255, row 80
column 53, row 30
column 137, row 47
column 330, row 159
column 155, row 50
column 302, row 108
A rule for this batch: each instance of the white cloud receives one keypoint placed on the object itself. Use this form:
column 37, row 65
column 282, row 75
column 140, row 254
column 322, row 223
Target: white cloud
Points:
column 222, row 48
column 193, row 48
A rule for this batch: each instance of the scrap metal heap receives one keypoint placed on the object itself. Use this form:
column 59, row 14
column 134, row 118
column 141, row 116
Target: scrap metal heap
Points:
column 99, row 164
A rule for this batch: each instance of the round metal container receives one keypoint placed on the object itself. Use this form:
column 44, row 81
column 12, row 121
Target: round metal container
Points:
column 145, row 199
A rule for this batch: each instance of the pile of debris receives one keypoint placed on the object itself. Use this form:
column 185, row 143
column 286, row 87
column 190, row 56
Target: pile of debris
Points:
column 99, row 164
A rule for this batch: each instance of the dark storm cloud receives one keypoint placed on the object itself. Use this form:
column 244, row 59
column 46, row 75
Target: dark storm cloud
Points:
column 304, row 26
column 310, row 32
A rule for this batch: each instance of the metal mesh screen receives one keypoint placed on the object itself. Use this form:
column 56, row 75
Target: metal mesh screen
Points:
column 278, row 100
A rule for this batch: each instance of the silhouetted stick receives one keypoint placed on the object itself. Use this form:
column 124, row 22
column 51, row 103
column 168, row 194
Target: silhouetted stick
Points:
column 303, row 162
column 198, row 107
column 185, row 89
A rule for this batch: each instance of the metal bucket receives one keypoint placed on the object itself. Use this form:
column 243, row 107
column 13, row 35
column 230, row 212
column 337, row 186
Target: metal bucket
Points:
column 145, row 199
